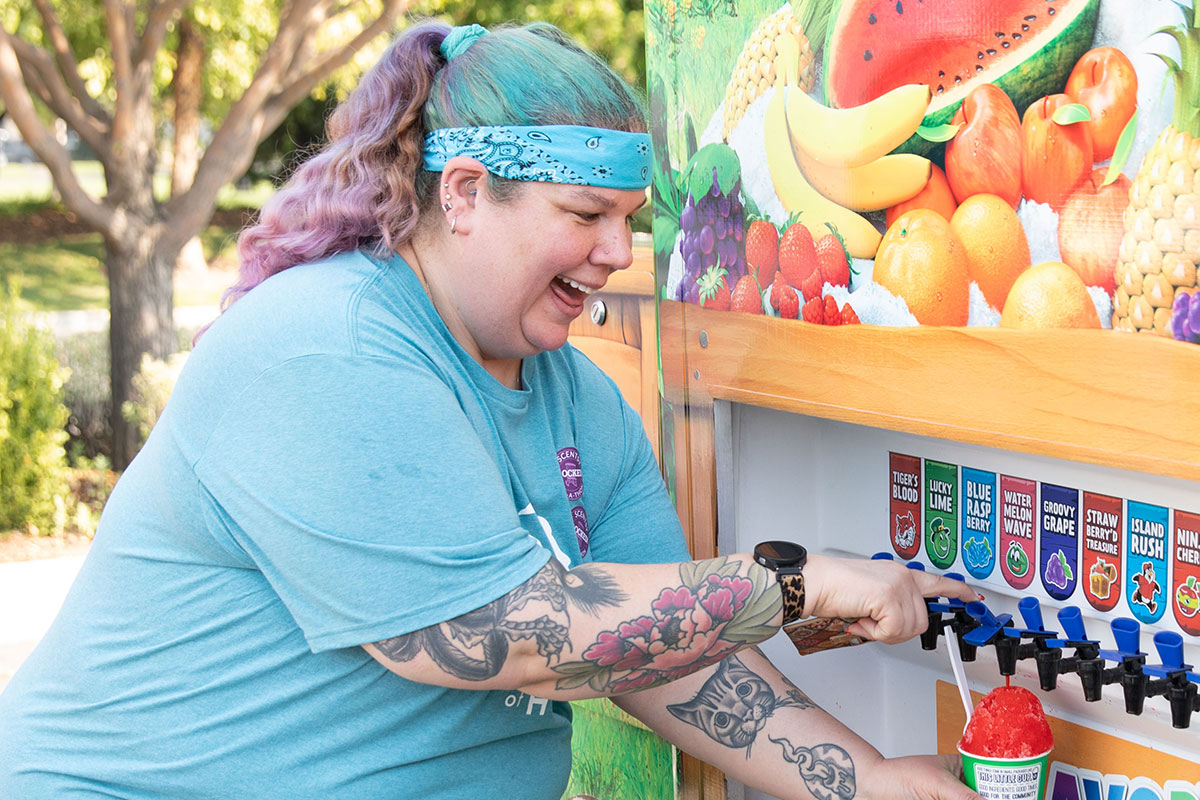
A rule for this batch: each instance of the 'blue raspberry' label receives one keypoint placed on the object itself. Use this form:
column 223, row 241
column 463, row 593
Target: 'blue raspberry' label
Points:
column 978, row 522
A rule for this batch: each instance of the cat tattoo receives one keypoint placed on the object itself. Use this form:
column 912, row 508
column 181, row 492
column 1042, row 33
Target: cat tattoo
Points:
column 734, row 704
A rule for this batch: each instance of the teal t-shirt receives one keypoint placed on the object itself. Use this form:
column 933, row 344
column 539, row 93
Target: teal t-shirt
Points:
column 332, row 469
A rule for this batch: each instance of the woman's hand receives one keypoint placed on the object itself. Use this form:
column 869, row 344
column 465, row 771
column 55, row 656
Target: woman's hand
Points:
column 917, row 778
column 886, row 598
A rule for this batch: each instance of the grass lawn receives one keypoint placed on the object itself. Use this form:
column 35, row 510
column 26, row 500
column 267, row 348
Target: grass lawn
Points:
column 68, row 272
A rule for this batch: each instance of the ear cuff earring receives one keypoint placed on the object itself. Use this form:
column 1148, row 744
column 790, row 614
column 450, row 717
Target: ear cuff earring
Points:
column 453, row 222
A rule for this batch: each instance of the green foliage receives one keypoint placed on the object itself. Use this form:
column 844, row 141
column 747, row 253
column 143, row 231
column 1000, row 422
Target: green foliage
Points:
column 615, row 759
column 152, row 387
column 87, row 395
column 33, row 469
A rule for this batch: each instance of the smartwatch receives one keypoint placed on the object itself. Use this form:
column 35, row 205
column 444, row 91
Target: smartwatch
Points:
column 786, row 560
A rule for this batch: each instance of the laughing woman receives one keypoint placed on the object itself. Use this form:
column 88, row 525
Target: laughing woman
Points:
column 390, row 522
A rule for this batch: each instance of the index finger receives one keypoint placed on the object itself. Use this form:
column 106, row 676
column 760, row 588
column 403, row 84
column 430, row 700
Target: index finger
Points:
column 939, row 586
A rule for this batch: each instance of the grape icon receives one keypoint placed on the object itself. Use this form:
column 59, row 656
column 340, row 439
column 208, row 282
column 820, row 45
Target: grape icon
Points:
column 1058, row 571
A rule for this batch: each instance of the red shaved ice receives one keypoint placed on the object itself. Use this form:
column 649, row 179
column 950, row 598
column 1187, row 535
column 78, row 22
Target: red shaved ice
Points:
column 1008, row 723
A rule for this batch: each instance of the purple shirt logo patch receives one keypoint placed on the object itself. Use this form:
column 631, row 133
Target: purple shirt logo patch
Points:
column 579, row 517
column 572, row 472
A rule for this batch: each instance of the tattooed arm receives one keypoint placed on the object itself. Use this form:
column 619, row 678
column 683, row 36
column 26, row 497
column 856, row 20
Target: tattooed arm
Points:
column 746, row 718
column 595, row 630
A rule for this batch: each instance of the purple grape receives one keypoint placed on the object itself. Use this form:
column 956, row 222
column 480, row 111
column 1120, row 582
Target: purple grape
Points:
column 723, row 206
column 707, row 239
column 716, row 185
column 1193, row 314
column 687, row 218
column 691, row 264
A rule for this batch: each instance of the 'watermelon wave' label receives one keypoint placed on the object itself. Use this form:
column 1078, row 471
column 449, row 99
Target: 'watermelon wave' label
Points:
column 1016, row 551
column 1185, row 586
column 978, row 522
column 1146, row 557
column 905, row 504
column 1101, row 562
column 1060, row 540
column 941, row 513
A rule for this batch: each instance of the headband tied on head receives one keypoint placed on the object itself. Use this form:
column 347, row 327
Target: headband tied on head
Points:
column 459, row 39
column 553, row 153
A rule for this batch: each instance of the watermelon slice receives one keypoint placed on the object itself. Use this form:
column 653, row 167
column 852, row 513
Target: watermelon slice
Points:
column 1026, row 47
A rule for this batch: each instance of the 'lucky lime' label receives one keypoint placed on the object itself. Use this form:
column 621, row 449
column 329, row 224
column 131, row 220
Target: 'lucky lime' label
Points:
column 1059, row 521
column 1016, row 550
column 1101, row 562
column 978, row 522
column 1185, row 587
column 1146, row 557
column 905, row 503
column 941, row 513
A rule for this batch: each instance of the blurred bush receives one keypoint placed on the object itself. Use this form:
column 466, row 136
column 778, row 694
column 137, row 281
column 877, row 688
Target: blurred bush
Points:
column 152, row 387
column 33, row 469
column 86, row 395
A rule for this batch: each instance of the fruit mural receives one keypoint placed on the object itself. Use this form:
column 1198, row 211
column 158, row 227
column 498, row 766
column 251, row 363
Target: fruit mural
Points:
column 1032, row 164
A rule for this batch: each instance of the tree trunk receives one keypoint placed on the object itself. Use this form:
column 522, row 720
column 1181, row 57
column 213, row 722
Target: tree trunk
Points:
column 141, row 303
column 186, row 87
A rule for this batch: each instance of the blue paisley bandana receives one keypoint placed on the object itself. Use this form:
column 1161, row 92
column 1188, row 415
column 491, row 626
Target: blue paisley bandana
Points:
column 553, row 153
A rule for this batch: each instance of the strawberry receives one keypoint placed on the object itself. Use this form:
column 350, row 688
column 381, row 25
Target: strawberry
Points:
column 777, row 289
column 832, row 315
column 797, row 254
column 789, row 302
column 811, row 312
column 746, row 296
column 848, row 316
column 812, row 285
column 714, row 288
column 831, row 257
column 762, row 251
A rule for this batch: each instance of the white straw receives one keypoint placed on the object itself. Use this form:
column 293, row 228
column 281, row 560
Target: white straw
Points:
column 960, row 675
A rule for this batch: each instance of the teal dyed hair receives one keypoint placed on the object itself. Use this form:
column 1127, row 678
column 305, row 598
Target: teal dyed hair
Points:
column 531, row 75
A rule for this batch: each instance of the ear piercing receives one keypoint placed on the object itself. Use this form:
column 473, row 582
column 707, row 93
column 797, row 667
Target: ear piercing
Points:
column 453, row 222
column 471, row 182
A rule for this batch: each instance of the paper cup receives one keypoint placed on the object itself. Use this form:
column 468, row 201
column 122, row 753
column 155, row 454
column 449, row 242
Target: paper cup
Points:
column 1006, row 778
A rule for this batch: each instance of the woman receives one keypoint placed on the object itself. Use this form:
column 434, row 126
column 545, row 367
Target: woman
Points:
column 388, row 524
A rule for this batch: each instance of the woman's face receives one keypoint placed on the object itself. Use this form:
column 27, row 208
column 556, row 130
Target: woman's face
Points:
column 529, row 264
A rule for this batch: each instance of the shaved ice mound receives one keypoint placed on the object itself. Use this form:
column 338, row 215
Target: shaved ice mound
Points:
column 1008, row 723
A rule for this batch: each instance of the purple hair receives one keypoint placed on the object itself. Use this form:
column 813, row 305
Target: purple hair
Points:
column 367, row 182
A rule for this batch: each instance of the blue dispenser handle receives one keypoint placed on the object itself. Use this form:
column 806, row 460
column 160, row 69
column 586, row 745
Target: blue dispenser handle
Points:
column 1170, row 649
column 1128, row 634
column 882, row 557
column 1071, row 618
column 1031, row 612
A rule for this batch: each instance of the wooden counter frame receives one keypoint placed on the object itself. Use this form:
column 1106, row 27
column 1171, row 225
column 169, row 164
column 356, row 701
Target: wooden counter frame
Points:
column 1119, row 400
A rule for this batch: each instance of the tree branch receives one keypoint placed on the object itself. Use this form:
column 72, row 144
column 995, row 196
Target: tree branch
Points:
column 116, row 15
column 20, row 106
column 67, row 64
column 155, row 29
column 301, row 86
column 48, row 85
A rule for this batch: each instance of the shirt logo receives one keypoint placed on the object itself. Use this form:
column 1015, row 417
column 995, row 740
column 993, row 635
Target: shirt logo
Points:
column 579, row 517
column 572, row 472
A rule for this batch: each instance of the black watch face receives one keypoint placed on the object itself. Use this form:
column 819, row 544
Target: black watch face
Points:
column 781, row 554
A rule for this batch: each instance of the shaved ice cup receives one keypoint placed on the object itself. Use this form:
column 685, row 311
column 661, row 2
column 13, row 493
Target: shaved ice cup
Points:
column 1006, row 778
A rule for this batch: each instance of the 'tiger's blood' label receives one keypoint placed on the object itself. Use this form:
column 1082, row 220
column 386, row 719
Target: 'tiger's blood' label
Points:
column 905, row 503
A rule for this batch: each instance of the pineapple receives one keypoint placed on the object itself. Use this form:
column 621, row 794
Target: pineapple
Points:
column 1161, row 246
column 805, row 23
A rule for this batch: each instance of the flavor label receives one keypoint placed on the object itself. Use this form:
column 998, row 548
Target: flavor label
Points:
column 1017, row 497
column 1101, row 562
column 941, row 513
column 905, row 503
column 1185, row 588
column 1146, row 557
column 1059, row 520
column 978, row 522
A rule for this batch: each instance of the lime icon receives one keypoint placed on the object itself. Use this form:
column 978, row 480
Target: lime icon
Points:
column 1018, row 562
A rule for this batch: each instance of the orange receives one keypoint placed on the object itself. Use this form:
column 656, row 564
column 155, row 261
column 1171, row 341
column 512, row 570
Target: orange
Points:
column 997, row 250
column 1049, row 295
column 921, row 261
column 936, row 196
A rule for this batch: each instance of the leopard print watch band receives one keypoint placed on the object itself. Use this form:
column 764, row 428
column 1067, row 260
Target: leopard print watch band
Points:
column 792, row 587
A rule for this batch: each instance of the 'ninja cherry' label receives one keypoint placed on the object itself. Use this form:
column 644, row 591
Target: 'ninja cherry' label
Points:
column 1185, row 584
column 1100, row 567
column 1059, row 520
column 1017, row 539
column 941, row 513
column 979, row 500
column 1146, row 560
column 905, row 504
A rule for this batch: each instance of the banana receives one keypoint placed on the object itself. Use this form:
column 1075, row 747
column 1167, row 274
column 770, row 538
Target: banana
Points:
column 798, row 195
column 881, row 183
column 851, row 137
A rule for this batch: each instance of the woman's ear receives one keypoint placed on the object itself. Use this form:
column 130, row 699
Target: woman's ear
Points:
column 461, row 180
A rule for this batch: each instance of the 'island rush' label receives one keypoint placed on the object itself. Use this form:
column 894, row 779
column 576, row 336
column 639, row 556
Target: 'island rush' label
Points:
column 978, row 522
column 1185, row 581
column 1016, row 551
column 1059, row 520
column 1146, row 560
column 905, row 504
column 1101, row 562
column 941, row 513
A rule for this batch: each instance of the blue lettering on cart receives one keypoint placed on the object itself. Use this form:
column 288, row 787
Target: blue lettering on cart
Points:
column 1067, row 782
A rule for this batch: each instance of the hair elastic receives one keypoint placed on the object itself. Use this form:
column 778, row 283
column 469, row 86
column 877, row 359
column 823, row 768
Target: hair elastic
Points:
column 459, row 39
column 553, row 153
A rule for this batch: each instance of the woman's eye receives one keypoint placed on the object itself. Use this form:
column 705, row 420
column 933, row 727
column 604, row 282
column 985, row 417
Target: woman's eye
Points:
column 586, row 216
